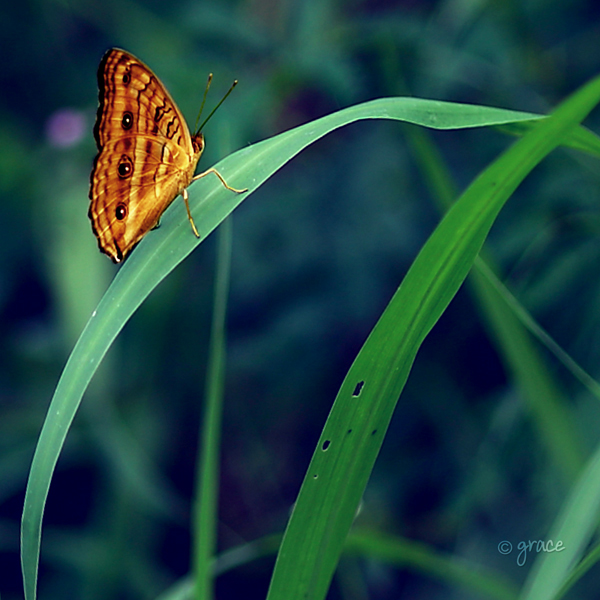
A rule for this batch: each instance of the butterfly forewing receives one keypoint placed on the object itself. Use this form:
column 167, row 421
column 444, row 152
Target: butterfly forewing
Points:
column 140, row 103
column 146, row 156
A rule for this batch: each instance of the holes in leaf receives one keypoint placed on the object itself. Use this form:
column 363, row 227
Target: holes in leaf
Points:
column 358, row 389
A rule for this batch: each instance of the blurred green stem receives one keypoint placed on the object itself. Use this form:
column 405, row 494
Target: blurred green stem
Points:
column 207, row 492
column 545, row 400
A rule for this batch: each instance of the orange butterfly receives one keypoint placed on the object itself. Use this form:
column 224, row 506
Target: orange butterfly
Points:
column 146, row 154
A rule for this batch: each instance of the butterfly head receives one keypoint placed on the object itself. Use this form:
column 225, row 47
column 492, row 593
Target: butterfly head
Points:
column 198, row 143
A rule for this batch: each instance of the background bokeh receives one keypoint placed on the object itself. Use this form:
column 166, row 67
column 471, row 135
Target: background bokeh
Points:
column 317, row 253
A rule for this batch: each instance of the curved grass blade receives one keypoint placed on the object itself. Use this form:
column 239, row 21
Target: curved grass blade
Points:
column 356, row 426
column 161, row 251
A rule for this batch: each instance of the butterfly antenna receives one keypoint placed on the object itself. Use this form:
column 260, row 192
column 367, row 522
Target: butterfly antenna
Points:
column 212, row 112
column 210, row 76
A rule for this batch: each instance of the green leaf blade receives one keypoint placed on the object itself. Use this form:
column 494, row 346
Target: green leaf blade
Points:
column 161, row 251
column 336, row 479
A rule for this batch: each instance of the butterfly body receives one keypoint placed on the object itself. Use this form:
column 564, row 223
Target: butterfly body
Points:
column 146, row 154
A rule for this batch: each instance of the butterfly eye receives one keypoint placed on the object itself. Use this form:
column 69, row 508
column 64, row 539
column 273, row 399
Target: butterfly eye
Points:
column 127, row 120
column 120, row 212
column 125, row 168
column 126, row 77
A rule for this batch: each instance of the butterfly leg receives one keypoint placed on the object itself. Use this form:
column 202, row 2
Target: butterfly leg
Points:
column 211, row 170
column 187, row 207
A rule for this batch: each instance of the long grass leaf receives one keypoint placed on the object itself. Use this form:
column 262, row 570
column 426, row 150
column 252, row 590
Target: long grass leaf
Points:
column 358, row 421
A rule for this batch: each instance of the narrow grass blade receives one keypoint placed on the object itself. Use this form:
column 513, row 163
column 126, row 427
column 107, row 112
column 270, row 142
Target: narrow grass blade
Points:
column 574, row 526
column 508, row 322
column 547, row 405
column 357, row 423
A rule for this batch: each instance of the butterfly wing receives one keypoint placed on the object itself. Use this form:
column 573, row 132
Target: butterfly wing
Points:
column 146, row 154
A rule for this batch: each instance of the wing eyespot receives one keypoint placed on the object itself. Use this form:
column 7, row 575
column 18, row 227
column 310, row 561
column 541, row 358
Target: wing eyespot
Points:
column 127, row 121
column 125, row 167
column 120, row 211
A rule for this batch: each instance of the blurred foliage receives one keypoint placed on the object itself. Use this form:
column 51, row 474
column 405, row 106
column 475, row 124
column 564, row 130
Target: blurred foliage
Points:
column 316, row 257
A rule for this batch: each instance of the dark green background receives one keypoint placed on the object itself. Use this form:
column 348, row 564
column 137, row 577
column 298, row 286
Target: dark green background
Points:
column 317, row 254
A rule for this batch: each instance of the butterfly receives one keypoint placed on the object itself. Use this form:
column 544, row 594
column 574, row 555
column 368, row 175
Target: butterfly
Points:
column 146, row 154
